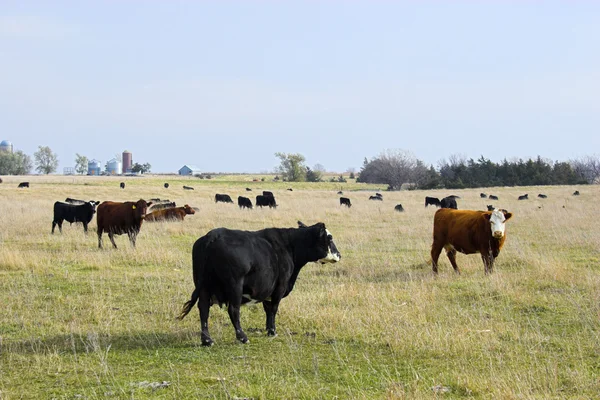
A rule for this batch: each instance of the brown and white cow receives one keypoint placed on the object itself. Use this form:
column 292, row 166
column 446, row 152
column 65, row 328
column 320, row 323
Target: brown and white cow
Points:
column 176, row 213
column 468, row 232
column 118, row 218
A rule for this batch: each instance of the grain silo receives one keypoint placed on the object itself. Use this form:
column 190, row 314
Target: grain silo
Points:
column 94, row 167
column 113, row 167
column 6, row 146
column 127, row 164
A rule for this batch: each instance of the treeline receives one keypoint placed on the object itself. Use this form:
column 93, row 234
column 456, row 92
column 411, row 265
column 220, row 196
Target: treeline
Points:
column 401, row 168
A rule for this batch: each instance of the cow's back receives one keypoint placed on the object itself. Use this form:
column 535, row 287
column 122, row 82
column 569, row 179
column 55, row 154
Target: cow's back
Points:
column 115, row 216
column 463, row 229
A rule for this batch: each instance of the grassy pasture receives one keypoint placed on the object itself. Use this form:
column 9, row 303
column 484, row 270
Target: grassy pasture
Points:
column 79, row 322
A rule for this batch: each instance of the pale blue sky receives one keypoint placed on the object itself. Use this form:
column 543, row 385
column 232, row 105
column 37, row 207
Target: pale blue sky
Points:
column 226, row 84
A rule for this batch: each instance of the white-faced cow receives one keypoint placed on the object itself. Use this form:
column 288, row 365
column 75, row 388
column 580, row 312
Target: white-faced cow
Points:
column 118, row 218
column 73, row 213
column 468, row 232
column 233, row 267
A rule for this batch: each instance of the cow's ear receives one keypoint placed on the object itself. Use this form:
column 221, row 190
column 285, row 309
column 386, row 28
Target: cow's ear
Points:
column 301, row 224
column 507, row 215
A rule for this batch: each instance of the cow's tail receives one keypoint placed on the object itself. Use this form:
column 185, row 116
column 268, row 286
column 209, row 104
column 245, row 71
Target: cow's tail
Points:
column 187, row 307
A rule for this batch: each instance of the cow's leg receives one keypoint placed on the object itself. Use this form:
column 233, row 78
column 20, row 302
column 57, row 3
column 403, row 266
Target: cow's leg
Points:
column 60, row 226
column 85, row 227
column 235, row 302
column 436, row 249
column 204, row 308
column 488, row 262
column 451, row 253
column 111, row 236
column 132, row 236
column 99, row 238
column 53, row 226
column 271, row 310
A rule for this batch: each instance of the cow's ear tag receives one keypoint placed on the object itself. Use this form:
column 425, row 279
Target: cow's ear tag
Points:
column 133, row 207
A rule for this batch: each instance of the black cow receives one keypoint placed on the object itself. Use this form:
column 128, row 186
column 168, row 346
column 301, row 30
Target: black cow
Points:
column 432, row 201
column 344, row 201
column 222, row 198
column 166, row 185
column 187, row 188
column 248, row 190
column 161, row 206
column 73, row 213
column 448, row 202
column 23, row 185
column 491, row 207
column 576, row 193
column 233, row 267
column 483, row 195
column 399, row 208
column 267, row 193
column 378, row 198
column 122, row 185
column 492, row 197
column 340, row 192
column 379, row 195
column 290, row 190
column 74, row 201
column 453, row 196
column 542, row 196
column 264, row 201
column 244, row 202
column 524, row 197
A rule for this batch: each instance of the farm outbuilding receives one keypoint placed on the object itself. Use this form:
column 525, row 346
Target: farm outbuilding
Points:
column 189, row 170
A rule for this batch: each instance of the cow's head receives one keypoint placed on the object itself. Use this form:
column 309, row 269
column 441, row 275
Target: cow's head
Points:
column 140, row 208
column 323, row 245
column 188, row 209
column 498, row 220
column 93, row 205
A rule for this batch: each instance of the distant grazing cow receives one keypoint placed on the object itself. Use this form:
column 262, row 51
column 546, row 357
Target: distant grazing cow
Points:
column 576, row 193
column 23, row 185
column 483, row 195
column 399, row 208
column 122, row 185
column 490, row 207
column 378, row 198
column 244, row 202
column 187, row 188
column 340, row 192
column 74, row 201
column 222, row 198
column 448, row 202
column 524, row 197
column 264, row 201
column 468, row 232
column 267, row 193
column 290, row 190
column 173, row 213
column 161, row 206
column 344, row 201
column 542, row 196
column 73, row 213
column 492, row 197
column 166, row 185
column 432, row 201
column 248, row 190
column 118, row 218
column 233, row 267
column 379, row 195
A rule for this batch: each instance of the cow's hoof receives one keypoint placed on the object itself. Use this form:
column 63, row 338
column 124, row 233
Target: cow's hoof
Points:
column 271, row 332
column 207, row 343
column 243, row 340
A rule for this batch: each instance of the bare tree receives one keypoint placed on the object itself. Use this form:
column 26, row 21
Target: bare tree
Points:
column 394, row 167
column 587, row 168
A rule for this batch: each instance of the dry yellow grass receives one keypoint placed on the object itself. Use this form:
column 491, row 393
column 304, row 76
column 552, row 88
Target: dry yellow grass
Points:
column 79, row 321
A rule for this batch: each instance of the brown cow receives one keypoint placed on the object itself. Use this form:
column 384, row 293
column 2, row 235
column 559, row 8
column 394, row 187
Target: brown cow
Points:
column 468, row 232
column 177, row 213
column 117, row 218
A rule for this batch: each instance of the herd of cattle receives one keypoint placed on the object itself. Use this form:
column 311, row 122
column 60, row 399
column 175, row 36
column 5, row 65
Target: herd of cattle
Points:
column 233, row 267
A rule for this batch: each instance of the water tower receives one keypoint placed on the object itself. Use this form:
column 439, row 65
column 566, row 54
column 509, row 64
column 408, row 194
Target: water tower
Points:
column 127, row 162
